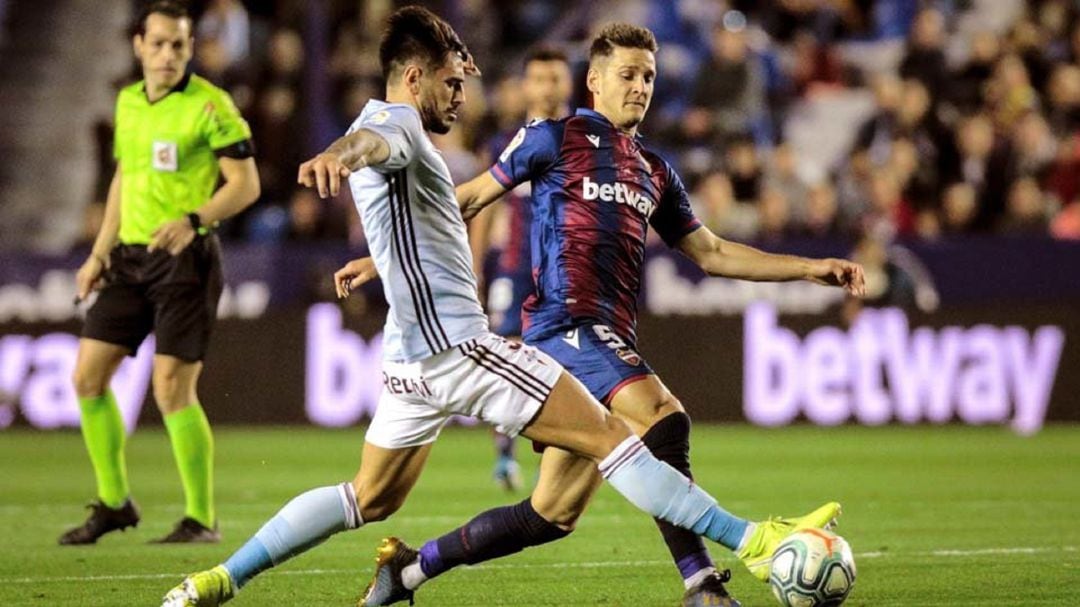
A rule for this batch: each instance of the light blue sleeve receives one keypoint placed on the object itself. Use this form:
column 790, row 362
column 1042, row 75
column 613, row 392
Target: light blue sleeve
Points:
column 401, row 128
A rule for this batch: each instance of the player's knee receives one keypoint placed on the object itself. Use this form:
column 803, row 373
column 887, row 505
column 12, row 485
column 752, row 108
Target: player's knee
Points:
column 615, row 432
column 659, row 409
column 669, row 440
column 563, row 515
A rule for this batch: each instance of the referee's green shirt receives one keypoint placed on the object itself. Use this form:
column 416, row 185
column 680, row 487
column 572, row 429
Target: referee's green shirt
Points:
column 167, row 152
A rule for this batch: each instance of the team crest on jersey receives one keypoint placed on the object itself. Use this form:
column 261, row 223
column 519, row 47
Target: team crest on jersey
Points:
column 628, row 356
column 379, row 117
column 165, row 156
column 518, row 139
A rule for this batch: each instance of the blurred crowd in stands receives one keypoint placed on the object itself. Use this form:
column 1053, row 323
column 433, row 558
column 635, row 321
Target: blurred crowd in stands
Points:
column 786, row 118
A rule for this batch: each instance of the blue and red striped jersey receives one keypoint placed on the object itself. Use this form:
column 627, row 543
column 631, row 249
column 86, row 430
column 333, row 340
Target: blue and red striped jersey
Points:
column 514, row 260
column 595, row 192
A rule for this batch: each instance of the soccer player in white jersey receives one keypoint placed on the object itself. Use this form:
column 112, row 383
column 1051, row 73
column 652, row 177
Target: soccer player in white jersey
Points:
column 440, row 359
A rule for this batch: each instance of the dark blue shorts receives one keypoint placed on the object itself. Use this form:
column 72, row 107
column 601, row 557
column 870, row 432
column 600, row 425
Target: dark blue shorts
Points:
column 506, row 295
column 597, row 358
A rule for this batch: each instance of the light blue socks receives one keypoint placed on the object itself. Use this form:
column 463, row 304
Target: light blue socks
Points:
column 660, row 490
column 303, row 523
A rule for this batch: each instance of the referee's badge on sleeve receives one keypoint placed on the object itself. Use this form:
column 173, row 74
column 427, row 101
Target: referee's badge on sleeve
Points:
column 165, row 157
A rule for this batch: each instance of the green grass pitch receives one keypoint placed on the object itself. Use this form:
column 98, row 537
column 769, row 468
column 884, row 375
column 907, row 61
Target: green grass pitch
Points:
column 936, row 516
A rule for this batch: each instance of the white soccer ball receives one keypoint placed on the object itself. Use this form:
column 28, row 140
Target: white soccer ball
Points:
column 812, row 568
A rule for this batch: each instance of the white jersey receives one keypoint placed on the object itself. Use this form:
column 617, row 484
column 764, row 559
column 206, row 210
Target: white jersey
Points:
column 417, row 239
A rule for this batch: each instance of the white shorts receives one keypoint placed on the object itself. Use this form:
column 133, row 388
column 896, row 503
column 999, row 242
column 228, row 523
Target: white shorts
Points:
column 495, row 380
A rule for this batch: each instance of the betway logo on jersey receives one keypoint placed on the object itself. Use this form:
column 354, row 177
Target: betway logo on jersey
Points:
column 618, row 192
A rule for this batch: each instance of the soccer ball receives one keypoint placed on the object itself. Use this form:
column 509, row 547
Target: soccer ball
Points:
column 812, row 568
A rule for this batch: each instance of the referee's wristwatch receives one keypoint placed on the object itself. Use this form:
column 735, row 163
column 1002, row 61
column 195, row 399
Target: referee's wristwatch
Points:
column 195, row 221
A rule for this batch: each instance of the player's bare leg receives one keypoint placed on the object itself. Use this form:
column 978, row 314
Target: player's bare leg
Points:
column 174, row 381
column 385, row 478
column 655, row 415
column 573, row 421
column 105, row 436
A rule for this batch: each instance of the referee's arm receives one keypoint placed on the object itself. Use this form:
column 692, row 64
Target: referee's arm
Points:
column 240, row 190
column 89, row 275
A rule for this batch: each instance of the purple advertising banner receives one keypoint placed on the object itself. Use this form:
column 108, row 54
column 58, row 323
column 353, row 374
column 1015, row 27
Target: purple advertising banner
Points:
column 1010, row 365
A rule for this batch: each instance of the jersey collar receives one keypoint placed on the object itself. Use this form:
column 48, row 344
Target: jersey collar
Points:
column 593, row 114
column 179, row 87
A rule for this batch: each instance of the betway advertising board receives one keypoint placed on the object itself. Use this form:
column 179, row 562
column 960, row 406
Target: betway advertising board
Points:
column 1013, row 365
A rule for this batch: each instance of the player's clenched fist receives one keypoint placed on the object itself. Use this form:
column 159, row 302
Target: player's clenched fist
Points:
column 353, row 275
column 324, row 173
column 841, row 273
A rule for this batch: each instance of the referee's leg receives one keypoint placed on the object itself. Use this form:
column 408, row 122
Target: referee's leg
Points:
column 174, row 381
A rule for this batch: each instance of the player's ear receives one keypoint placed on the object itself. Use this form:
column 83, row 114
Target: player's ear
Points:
column 411, row 78
column 136, row 46
column 592, row 80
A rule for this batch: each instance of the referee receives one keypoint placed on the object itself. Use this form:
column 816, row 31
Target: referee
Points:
column 158, row 268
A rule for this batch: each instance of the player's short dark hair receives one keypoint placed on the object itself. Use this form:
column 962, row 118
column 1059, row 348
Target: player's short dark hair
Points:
column 170, row 8
column 544, row 54
column 622, row 35
column 414, row 32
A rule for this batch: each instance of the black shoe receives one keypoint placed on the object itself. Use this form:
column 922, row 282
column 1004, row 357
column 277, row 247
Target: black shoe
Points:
column 386, row 588
column 710, row 592
column 102, row 520
column 190, row 531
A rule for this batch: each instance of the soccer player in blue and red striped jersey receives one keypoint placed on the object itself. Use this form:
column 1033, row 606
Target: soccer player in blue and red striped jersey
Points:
column 596, row 188
column 546, row 87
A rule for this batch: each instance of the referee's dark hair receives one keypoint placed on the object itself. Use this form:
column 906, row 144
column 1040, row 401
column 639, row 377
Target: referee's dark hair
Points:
column 414, row 33
column 173, row 9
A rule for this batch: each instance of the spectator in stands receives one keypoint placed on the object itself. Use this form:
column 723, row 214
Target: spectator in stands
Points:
column 966, row 85
column 730, row 86
column 984, row 164
column 1009, row 94
column 226, row 23
column 1026, row 211
column 774, row 208
column 1033, row 145
column 821, row 211
column 714, row 203
column 1063, row 99
column 314, row 220
column 781, row 174
column 925, row 58
column 958, row 208
column 876, row 134
column 744, row 169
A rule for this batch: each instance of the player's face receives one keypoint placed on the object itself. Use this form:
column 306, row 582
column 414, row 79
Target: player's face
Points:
column 622, row 85
column 442, row 93
column 164, row 51
column 547, row 87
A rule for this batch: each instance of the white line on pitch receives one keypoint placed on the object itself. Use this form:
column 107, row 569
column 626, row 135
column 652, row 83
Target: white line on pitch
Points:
column 567, row 565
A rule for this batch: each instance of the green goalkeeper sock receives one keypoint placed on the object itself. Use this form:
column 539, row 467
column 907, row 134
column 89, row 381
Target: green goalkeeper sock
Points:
column 104, row 434
column 193, row 447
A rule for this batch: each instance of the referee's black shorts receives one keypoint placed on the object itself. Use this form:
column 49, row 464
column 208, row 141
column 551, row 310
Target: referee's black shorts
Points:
column 176, row 298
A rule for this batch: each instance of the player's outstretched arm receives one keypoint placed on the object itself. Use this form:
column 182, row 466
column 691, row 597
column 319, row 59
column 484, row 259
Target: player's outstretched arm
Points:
column 88, row 278
column 478, row 193
column 352, row 152
column 719, row 257
column 353, row 275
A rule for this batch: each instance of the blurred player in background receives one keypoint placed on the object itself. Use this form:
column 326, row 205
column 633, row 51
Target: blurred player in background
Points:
column 546, row 86
column 440, row 360
column 158, row 268
column 596, row 189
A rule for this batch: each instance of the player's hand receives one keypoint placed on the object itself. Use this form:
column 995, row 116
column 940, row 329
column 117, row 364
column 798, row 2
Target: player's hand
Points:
column 173, row 236
column 324, row 173
column 89, row 277
column 353, row 275
column 840, row 273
